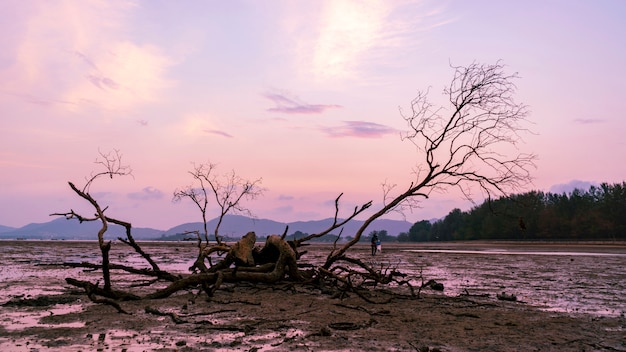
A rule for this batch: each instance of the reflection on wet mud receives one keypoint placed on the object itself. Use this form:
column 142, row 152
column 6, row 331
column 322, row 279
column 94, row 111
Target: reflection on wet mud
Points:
column 572, row 280
column 560, row 281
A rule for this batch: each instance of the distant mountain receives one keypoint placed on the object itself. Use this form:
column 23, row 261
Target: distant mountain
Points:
column 237, row 226
column 6, row 228
column 62, row 228
column 234, row 226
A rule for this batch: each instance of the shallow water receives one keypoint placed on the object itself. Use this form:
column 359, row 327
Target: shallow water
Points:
column 561, row 281
column 572, row 279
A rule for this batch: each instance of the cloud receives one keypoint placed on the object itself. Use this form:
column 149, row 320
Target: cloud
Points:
column 101, row 195
column 348, row 29
column 589, row 121
column 125, row 75
column 80, row 54
column 359, row 129
column 287, row 209
column 219, row 133
column 148, row 193
column 289, row 105
column 85, row 59
column 31, row 99
column 199, row 125
column 571, row 186
column 350, row 37
column 285, row 197
column 102, row 82
column 330, row 203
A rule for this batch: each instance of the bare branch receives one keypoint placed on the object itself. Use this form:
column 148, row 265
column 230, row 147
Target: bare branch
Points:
column 112, row 164
column 228, row 190
column 472, row 148
column 336, row 223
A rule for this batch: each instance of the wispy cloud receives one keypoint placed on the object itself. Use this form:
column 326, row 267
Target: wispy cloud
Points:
column 122, row 75
column 288, row 105
column 87, row 59
column 348, row 29
column 31, row 99
column 219, row 133
column 102, row 82
column 359, row 129
column 589, row 121
column 351, row 37
column 199, row 125
column 148, row 193
column 571, row 186
column 287, row 209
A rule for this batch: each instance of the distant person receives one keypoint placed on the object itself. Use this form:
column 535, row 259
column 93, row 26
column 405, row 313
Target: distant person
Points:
column 522, row 227
column 375, row 242
column 379, row 246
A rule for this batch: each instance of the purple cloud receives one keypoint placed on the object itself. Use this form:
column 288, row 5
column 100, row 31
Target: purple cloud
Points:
column 287, row 209
column 287, row 105
column 571, row 186
column 85, row 59
column 102, row 82
column 101, row 195
column 219, row 133
column 148, row 193
column 285, row 197
column 360, row 129
column 31, row 99
column 589, row 121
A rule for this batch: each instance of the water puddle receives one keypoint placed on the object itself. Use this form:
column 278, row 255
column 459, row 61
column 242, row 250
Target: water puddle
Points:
column 557, row 281
column 507, row 252
column 28, row 318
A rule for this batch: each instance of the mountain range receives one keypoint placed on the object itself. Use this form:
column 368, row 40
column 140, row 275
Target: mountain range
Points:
column 233, row 226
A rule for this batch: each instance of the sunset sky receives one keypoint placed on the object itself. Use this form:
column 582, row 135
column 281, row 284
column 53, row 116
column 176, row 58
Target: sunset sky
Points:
column 303, row 94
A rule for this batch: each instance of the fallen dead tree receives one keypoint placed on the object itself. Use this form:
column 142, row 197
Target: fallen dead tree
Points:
column 276, row 260
column 459, row 150
column 273, row 262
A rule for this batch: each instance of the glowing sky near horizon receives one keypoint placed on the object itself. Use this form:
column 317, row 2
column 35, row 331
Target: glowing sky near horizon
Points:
column 303, row 94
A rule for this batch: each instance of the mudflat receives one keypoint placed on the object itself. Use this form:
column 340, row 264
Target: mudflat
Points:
column 286, row 317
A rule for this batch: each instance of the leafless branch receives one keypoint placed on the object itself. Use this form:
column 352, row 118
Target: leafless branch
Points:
column 472, row 144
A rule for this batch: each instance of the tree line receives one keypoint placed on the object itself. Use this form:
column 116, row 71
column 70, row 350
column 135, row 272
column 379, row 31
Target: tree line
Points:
column 596, row 214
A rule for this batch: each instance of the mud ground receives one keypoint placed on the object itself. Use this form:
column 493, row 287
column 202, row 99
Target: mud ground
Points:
column 248, row 317
column 253, row 318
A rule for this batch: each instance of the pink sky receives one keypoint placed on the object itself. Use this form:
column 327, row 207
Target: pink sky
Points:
column 303, row 94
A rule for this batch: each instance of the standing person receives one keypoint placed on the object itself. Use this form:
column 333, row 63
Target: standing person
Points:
column 375, row 242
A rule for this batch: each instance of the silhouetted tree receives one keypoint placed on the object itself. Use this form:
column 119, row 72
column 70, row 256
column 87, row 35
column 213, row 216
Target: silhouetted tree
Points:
column 420, row 231
column 596, row 214
column 111, row 163
column 228, row 191
column 462, row 144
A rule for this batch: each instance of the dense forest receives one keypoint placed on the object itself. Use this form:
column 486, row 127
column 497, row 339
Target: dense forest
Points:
column 596, row 214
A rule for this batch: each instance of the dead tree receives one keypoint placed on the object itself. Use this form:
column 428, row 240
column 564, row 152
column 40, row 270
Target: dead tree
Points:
column 228, row 190
column 464, row 145
column 467, row 145
column 112, row 163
